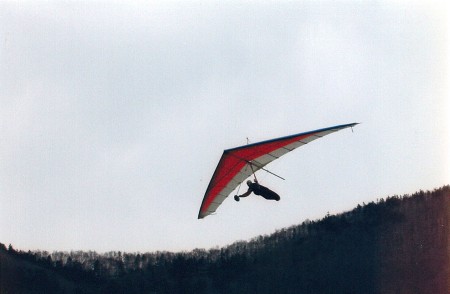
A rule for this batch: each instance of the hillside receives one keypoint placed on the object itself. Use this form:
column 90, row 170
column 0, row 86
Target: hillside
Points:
column 396, row 245
column 19, row 275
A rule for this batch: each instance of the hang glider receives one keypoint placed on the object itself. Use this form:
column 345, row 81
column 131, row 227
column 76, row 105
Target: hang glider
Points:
column 239, row 163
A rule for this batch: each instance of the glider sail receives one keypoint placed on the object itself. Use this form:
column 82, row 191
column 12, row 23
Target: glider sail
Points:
column 239, row 163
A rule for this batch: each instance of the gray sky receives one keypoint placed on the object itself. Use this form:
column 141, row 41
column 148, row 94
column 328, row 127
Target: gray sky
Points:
column 113, row 116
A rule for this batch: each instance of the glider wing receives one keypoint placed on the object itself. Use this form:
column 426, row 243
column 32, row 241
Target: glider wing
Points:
column 239, row 163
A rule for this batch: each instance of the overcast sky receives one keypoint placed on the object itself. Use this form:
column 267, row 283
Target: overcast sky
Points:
column 113, row 116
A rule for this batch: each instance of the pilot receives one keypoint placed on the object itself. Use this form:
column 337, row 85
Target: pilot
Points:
column 258, row 190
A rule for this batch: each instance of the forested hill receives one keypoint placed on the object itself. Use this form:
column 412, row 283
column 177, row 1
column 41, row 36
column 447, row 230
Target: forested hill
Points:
column 396, row 245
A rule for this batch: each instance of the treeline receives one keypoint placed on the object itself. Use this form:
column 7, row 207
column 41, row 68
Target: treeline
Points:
column 395, row 245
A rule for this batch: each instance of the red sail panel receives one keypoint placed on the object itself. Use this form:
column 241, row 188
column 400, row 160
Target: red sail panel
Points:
column 234, row 161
